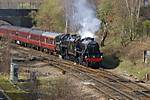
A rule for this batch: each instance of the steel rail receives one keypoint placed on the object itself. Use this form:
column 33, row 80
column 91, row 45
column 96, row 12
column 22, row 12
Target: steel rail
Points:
column 105, row 74
column 101, row 81
column 75, row 75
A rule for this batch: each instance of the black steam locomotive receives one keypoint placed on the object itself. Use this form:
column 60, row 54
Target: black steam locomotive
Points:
column 84, row 51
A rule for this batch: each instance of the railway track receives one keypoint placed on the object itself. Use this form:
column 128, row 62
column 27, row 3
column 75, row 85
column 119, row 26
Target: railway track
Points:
column 100, row 85
column 119, row 90
column 111, row 85
column 3, row 95
column 118, row 79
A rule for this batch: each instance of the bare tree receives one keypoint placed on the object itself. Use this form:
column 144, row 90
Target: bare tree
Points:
column 105, row 34
column 5, row 54
column 68, row 12
column 133, row 7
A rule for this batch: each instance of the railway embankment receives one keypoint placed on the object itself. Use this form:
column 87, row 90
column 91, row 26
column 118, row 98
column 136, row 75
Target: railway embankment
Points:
column 127, row 61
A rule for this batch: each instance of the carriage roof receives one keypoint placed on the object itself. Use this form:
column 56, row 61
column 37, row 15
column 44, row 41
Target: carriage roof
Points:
column 9, row 27
column 24, row 29
column 30, row 30
column 37, row 32
column 51, row 34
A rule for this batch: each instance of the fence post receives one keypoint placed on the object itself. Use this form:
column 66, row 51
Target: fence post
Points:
column 144, row 56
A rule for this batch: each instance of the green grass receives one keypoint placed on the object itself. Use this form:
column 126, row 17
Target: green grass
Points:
column 11, row 91
column 128, row 67
column 1, row 47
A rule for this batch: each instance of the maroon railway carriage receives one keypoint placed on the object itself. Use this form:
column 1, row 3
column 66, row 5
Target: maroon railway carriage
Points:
column 11, row 32
column 38, row 39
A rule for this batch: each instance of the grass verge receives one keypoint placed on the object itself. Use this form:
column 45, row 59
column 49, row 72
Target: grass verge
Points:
column 128, row 67
column 10, row 90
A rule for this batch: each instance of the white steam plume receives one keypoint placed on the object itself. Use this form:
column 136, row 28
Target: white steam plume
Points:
column 83, row 18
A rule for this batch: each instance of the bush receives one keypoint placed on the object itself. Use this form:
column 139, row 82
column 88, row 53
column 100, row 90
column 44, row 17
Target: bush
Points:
column 146, row 27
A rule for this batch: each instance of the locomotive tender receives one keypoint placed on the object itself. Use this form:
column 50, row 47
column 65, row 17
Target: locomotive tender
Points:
column 84, row 51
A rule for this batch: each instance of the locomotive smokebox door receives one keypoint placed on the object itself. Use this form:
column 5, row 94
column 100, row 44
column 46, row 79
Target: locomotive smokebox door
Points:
column 14, row 72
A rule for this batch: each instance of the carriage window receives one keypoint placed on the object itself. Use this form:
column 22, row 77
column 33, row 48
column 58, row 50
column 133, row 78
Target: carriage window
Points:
column 13, row 32
column 16, row 33
column 50, row 41
column 22, row 35
column 43, row 39
column 35, row 37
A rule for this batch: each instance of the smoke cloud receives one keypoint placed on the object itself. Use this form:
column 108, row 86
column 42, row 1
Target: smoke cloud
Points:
column 83, row 19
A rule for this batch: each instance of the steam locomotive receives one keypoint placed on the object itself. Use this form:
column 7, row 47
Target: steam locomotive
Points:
column 84, row 51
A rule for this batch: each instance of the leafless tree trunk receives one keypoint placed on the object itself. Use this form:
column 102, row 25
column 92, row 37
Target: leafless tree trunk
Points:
column 138, row 12
column 5, row 55
column 133, row 7
column 66, row 6
column 68, row 10
column 104, row 35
